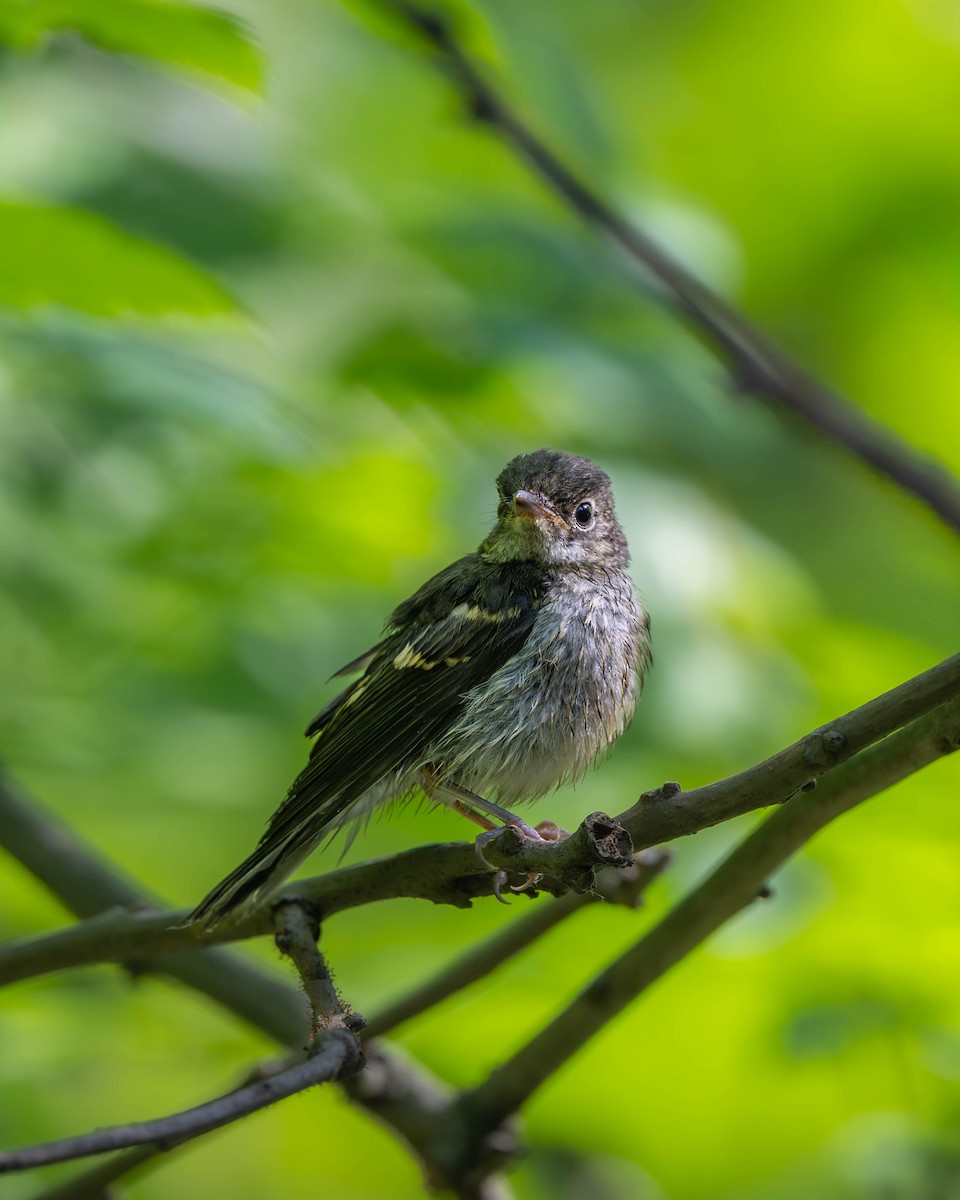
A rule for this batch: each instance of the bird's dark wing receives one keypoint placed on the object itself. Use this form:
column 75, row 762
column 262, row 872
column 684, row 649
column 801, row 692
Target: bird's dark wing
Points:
column 431, row 600
column 450, row 636
column 360, row 663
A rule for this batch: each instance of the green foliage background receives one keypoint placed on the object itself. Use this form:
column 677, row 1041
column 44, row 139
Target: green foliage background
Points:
column 274, row 314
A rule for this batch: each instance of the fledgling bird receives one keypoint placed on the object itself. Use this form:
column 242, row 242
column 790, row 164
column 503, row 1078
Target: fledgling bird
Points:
column 506, row 674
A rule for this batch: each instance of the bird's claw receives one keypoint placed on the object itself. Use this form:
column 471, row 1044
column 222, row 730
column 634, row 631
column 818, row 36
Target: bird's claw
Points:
column 499, row 879
column 554, row 834
column 480, row 842
column 531, row 881
column 523, row 829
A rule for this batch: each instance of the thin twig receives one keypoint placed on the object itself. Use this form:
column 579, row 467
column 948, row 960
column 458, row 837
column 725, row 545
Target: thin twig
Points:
column 94, row 1183
column 756, row 365
column 669, row 813
column 336, row 1057
column 87, row 885
column 296, row 936
column 433, row 1124
column 80, row 878
column 738, row 880
column 483, row 1111
column 450, row 872
column 624, row 886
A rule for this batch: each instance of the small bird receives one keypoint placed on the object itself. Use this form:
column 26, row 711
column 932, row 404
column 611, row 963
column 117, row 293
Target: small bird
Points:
column 505, row 675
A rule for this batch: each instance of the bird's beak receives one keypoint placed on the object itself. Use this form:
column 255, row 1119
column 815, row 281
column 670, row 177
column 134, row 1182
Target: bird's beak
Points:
column 526, row 504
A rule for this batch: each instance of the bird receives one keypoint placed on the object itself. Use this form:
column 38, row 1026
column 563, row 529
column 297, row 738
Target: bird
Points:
column 508, row 673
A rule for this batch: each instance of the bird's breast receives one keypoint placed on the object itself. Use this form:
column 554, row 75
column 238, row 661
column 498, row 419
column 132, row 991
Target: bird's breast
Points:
column 561, row 701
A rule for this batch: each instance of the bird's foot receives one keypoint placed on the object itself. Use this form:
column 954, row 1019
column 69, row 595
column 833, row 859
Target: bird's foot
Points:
column 551, row 833
column 488, row 835
column 531, row 881
column 501, row 878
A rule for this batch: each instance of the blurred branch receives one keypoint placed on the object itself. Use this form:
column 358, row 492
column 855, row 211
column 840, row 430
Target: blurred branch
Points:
column 739, row 879
column 466, row 1142
column 402, row 1094
column 432, row 1123
column 87, row 885
column 94, row 1183
column 450, row 873
column 339, row 1055
column 668, row 813
column 624, row 886
column 758, row 368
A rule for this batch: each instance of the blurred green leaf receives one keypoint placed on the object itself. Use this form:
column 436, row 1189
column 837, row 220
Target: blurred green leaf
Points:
column 67, row 258
column 184, row 35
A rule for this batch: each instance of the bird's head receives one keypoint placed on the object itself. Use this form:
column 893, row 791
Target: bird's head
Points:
column 555, row 510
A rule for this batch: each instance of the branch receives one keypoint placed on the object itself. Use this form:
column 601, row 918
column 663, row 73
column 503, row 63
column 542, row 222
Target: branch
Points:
column 450, row 872
column 297, row 934
column 432, row 1123
column 739, row 879
column 403, row 1095
column 397, row 1093
column 86, row 884
column 756, row 365
column 624, row 886
column 669, row 813
column 338, row 1056
column 94, row 1183
column 480, row 1127
column 893, row 759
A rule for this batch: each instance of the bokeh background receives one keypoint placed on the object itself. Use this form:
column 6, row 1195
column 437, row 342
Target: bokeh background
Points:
column 274, row 314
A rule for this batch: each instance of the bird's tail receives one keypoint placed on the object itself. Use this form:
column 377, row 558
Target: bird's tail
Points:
column 246, row 885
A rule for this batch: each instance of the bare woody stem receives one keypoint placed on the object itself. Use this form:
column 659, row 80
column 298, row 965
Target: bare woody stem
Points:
column 660, row 816
column 731, row 887
column 625, row 886
column 757, row 366
column 401, row 1093
column 337, row 1056
column 483, row 1113
column 296, row 936
column 451, row 873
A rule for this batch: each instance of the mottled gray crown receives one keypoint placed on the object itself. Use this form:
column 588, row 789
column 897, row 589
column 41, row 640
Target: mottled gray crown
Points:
column 564, row 478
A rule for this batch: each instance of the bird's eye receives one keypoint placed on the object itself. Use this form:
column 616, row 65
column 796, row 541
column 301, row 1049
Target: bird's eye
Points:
column 583, row 514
